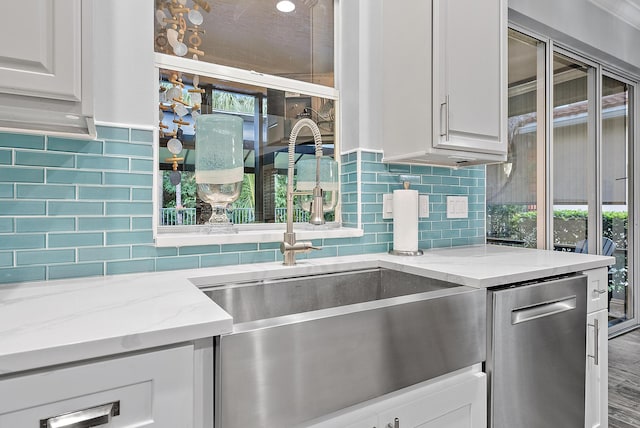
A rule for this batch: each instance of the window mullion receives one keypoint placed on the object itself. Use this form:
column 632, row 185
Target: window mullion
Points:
column 548, row 175
column 595, row 214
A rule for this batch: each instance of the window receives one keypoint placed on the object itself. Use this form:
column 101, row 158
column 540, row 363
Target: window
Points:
column 251, row 61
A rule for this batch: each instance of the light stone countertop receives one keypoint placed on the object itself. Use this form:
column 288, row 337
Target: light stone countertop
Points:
column 54, row 322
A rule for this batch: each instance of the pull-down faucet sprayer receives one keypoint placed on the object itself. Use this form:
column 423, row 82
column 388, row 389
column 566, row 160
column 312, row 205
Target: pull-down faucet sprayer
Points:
column 289, row 247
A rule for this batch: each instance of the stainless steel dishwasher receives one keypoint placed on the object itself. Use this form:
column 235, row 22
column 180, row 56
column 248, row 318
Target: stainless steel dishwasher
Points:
column 536, row 353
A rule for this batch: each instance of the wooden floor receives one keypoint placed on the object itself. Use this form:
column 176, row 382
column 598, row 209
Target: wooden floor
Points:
column 624, row 381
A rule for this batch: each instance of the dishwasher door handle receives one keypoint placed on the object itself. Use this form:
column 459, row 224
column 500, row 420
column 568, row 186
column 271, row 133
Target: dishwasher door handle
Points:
column 542, row 310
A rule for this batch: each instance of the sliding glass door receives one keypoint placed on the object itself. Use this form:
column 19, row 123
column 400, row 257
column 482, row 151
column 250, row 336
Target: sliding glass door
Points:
column 573, row 153
column 615, row 206
column 567, row 184
column 513, row 188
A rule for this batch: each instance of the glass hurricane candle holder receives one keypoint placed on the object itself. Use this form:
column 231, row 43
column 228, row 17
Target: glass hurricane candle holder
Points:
column 328, row 182
column 219, row 163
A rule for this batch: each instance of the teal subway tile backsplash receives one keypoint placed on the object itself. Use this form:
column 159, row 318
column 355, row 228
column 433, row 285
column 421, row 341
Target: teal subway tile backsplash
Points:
column 92, row 212
column 104, row 253
column 103, row 223
column 103, row 163
column 139, row 223
column 129, row 208
column 151, row 251
column 6, row 190
column 104, row 193
column 75, row 270
column 130, row 266
column 128, row 149
column 173, row 263
column 73, row 177
column 128, row 179
column 142, row 135
column 6, row 224
column 258, row 256
column 220, row 260
column 23, row 141
column 366, row 156
column 78, row 239
column 22, row 241
column 112, row 133
column 75, row 208
column 141, row 194
column 21, row 175
column 228, row 248
column 71, row 145
column 24, row 258
column 52, row 159
column 5, row 157
column 6, row 259
column 22, row 274
column 39, row 191
column 133, row 237
column 38, row 224
column 141, row 165
column 21, row 208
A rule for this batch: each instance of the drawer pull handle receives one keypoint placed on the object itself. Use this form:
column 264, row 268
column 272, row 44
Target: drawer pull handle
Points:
column 597, row 292
column 95, row 416
column 596, row 342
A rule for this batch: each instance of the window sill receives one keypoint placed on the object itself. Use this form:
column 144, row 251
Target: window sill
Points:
column 173, row 237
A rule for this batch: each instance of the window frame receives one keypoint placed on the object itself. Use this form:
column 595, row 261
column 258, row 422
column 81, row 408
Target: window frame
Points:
column 258, row 232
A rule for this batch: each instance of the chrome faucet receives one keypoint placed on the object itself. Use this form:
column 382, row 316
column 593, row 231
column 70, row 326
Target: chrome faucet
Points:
column 289, row 247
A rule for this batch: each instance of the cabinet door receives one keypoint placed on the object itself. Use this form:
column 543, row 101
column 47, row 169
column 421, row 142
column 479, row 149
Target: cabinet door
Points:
column 597, row 370
column 41, row 51
column 406, row 77
column 463, row 405
column 470, row 75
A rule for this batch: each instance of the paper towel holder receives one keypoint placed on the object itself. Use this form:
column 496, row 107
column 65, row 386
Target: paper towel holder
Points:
column 418, row 252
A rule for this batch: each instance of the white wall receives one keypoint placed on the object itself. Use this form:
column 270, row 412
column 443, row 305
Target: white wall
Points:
column 582, row 25
column 361, row 79
column 124, row 78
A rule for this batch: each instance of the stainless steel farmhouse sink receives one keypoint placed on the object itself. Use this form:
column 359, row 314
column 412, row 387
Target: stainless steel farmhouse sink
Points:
column 307, row 346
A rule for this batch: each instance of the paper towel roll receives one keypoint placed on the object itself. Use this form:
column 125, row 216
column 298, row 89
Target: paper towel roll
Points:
column 405, row 220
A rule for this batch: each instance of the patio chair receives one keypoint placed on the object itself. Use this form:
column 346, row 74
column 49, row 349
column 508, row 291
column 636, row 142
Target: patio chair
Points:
column 608, row 246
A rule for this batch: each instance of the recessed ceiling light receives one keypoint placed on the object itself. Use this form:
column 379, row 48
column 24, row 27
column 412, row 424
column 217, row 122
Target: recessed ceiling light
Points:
column 285, row 6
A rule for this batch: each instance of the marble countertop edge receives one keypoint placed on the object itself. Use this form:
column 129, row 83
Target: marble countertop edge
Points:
column 55, row 322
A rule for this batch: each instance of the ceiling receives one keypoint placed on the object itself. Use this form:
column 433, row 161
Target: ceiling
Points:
column 254, row 35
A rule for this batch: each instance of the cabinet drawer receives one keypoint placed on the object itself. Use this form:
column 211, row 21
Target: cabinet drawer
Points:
column 151, row 389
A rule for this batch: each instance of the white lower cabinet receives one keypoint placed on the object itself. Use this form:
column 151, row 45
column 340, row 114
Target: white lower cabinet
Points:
column 457, row 402
column 143, row 390
column 597, row 371
column 459, row 406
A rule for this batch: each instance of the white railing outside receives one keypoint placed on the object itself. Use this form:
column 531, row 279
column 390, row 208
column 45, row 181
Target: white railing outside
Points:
column 173, row 217
column 187, row 216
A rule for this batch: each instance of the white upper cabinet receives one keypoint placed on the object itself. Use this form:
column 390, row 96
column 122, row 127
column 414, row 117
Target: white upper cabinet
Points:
column 44, row 56
column 45, row 66
column 445, row 74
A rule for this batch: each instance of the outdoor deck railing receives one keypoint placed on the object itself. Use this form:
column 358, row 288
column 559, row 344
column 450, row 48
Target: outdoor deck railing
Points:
column 187, row 216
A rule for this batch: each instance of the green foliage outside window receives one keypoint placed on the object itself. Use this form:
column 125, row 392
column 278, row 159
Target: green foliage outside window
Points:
column 516, row 223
